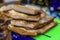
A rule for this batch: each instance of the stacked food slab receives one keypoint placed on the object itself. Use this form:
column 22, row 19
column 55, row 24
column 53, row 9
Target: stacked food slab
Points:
column 27, row 20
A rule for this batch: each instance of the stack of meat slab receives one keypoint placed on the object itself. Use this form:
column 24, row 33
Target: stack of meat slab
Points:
column 28, row 20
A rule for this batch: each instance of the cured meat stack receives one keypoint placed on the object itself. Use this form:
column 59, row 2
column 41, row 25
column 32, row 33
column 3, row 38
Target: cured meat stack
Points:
column 28, row 20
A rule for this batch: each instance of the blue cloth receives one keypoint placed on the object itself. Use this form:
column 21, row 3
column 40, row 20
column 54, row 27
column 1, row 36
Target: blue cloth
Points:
column 55, row 4
column 55, row 14
column 16, row 36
